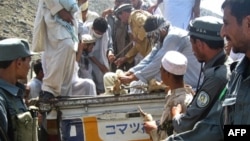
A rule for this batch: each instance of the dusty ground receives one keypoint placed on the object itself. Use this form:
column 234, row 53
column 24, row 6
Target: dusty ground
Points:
column 17, row 16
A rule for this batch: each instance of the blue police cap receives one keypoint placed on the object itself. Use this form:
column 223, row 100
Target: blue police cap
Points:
column 13, row 48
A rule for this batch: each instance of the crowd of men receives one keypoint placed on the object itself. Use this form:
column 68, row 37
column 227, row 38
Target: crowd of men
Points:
column 84, row 53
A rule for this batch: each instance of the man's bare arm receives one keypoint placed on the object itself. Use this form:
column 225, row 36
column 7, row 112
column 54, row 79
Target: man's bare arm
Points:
column 196, row 9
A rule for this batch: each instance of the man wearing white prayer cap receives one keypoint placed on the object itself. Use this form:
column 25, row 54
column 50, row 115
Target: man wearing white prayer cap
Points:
column 82, row 81
column 173, row 68
column 174, row 62
column 82, row 57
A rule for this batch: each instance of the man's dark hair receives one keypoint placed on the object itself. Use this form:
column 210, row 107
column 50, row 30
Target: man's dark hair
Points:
column 5, row 64
column 100, row 24
column 37, row 66
column 212, row 44
column 152, row 23
column 239, row 8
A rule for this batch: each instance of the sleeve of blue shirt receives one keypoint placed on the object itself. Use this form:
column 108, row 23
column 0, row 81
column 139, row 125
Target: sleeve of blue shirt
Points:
column 149, row 67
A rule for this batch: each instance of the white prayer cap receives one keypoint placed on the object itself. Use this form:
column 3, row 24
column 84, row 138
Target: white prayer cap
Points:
column 84, row 6
column 87, row 38
column 174, row 62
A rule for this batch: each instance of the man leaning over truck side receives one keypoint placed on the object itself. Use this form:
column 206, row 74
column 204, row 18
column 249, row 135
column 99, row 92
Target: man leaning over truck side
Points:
column 166, row 38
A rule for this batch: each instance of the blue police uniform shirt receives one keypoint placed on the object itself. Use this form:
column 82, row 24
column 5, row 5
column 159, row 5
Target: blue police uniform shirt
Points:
column 11, row 100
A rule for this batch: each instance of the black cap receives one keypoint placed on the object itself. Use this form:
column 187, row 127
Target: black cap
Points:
column 153, row 22
column 123, row 7
column 206, row 27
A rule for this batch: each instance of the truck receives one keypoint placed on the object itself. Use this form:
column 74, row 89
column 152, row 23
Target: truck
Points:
column 101, row 118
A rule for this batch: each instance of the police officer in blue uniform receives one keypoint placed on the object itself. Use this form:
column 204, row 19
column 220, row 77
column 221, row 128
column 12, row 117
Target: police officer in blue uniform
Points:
column 15, row 60
column 207, row 46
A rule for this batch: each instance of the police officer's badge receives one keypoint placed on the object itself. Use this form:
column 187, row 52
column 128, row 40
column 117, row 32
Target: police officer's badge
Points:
column 203, row 99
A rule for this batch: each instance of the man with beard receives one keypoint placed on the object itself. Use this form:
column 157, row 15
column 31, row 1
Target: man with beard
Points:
column 236, row 30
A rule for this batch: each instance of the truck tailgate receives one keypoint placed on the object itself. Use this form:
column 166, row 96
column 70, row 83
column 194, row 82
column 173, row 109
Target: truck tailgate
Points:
column 104, row 118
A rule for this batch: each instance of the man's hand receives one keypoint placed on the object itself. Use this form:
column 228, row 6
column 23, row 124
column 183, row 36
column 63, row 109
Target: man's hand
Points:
column 111, row 57
column 127, row 73
column 127, row 78
column 196, row 9
column 107, row 12
column 81, row 46
column 149, row 126
column 120, row 61
column 176, row 110
column 66, row 16
column 152, row 9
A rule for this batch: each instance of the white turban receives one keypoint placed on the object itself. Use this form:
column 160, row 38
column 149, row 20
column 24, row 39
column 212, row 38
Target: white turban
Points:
column 87, row 38
column 174, row 62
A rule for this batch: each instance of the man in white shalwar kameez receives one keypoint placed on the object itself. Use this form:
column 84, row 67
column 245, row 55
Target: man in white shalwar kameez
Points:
column 58, row 46
column 180, row 12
